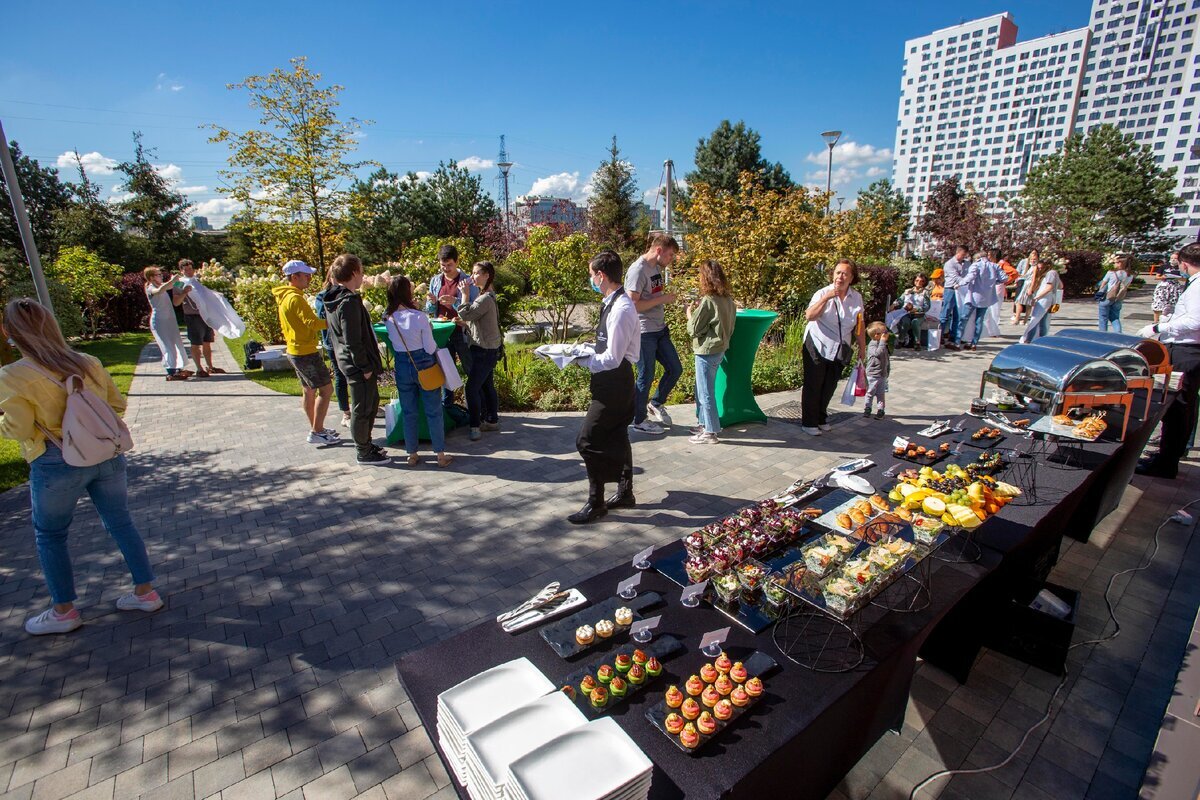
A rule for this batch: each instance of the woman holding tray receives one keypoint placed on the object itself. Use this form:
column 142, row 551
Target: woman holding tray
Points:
column 604, row 439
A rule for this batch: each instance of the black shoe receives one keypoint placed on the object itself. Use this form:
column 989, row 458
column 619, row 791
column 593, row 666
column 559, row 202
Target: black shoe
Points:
column 589, row 513
column 1153, row 469
column 373, row 459
column 867, row 411
column 950, row 346
column 879, row 414
column 623, row 499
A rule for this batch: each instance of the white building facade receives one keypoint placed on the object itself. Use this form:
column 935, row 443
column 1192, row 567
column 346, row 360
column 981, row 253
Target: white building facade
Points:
column 976, row 103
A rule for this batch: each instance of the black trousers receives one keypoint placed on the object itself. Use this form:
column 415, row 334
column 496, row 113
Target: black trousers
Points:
column 364, row 406
column 603, row 440
column 1179, row 421
column 821, row 377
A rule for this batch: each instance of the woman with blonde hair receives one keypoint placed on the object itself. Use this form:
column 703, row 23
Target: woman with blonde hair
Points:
column 32, row 404
column 710, row 324
column 163, row 324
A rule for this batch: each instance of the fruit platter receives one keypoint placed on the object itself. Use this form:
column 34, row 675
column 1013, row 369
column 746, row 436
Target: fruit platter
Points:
column 605, row 684
column 596, row 625
column 710, row 700
column 958, row 497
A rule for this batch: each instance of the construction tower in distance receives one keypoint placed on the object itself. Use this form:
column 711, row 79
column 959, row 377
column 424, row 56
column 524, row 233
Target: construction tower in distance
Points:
column 505, row 165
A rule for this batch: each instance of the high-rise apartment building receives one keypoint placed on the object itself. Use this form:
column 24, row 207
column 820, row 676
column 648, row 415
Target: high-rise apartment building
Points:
column 976, row 103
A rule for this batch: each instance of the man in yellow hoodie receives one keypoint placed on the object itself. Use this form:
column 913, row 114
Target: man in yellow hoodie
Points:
column 301, row 325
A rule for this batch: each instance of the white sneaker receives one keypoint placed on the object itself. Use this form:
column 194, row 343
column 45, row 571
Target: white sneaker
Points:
column 648, row 426
column 50, row 621
column 695, row 430
column 150, row 601
column 659, row 413
column 811, row 431
column 825, row 427
column 704, row 438
column 346, row 422
column 332, row 432
column 322, row 438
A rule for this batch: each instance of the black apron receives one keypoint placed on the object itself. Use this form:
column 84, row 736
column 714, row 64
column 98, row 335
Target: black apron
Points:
column 604, row 439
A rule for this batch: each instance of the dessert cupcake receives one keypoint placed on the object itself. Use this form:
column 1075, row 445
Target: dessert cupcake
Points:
column 623, row 616
column 587, row 684
column 723, row 664
column 585, row 634
column 599, row 697
column 723, row 710
column 673, row 723
column 605, row 674
column 708, row 673
column 636, row 674
column 640, row 657
column 709, row 696
column 617, row 687
column 754, row 687
column 674, row 697
column 739, row 697
column 706, row 724
column 622, row 662
column 738, row 672
column 689, row 738
column 604, row 628
column 690, row 709
column 693, row 686
column 653, row 667
column 723, row 685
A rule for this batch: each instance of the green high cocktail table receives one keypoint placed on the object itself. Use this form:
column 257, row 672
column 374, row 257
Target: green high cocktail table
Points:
column 441, row 336
column 735, row 389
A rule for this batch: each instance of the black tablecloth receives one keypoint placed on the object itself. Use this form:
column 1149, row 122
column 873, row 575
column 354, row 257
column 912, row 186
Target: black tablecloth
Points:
column 812, row 727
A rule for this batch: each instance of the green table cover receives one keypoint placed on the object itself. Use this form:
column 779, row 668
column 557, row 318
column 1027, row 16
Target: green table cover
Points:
column 735, row 390
column 441, row 335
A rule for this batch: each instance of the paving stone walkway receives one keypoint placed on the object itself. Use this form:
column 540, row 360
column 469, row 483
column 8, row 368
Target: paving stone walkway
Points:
column 295, row 579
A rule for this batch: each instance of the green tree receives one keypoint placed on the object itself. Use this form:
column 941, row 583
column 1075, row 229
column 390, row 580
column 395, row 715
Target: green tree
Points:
column 89, row 222
column 613, row 208
column 44, row 194
column 155, row 216
column 731, row 150
column 556, row 268
column 377, row 225
column 886, row 203
column 91, row 280
column 293, row 167
column 1109, row 190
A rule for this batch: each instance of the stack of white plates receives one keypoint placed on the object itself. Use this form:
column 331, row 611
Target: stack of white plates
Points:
column 493, row 747
column 463, row 709
column 596, row 761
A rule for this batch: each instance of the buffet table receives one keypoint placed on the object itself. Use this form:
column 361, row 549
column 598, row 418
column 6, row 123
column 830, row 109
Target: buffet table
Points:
column 812, row 727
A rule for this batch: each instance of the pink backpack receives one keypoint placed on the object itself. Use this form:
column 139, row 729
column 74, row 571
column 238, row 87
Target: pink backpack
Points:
column 92, row 432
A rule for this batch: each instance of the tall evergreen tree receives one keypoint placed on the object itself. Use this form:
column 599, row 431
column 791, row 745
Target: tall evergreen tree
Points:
column 155, row 215
column 89, row 222
column 613, row 207
column 887, row 203
column 730, row 150
column 44, row 195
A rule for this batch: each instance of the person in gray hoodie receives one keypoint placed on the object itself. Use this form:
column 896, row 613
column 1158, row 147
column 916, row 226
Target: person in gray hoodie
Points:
column 357, row 352
column 879, row 366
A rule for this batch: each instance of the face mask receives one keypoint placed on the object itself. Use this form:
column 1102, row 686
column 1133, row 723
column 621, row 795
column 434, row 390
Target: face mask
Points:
column 595, row 288
column 11, row 343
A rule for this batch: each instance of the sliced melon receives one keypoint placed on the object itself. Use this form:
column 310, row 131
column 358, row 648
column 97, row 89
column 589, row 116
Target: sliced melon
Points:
column 933, row 506
column 906, row 489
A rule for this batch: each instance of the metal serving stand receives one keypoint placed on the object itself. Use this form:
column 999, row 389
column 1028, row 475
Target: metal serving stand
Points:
column 1158, row 358
column 1132, row 362
column 1059, row 381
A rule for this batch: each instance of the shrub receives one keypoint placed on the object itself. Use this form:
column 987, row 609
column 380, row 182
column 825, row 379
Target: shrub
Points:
column 129, row 310
column 91, row 280
column 878, row 286
column 253, row 300
column 66, row 310
column 1084, row 270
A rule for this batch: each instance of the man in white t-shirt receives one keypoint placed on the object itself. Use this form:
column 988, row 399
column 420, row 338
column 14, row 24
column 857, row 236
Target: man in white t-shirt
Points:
column 646, row 286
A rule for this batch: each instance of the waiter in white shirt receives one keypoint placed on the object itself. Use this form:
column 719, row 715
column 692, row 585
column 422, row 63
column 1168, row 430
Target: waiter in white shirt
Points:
column 604, row 439
column 1182, row 337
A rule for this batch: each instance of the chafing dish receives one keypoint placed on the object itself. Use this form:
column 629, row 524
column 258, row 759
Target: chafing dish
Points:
column 1132, row 362
column 1059, row 380
column 1155, row 352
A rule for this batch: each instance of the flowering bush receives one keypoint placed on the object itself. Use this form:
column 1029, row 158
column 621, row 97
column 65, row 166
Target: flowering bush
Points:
column 253, row 300
column 216, row 277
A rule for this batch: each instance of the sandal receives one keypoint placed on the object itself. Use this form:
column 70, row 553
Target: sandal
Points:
column 201, row 374
column 444, row 460
column 413, row 460
column 177, row 377
column 216, row 371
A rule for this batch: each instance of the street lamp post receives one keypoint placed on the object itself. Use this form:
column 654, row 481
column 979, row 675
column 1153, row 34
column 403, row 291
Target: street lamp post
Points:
column 831, row 138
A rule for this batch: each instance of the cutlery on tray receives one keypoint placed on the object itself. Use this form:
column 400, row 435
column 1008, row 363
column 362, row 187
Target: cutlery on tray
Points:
column 539, row 599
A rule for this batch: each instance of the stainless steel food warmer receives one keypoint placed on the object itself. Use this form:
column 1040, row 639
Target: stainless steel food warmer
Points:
column 1059, row 380
column 1157, row 356
column 1132, row 363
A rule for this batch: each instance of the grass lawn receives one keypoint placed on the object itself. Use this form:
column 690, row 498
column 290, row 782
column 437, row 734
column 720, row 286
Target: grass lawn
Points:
column 119, row 354
column 284, row 381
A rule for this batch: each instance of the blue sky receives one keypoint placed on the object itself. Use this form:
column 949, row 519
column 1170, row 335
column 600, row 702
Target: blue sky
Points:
column 444, row 80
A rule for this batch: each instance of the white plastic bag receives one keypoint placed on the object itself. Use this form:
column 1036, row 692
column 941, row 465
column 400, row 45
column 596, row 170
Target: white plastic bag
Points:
column 848, row 396
column 453, row 379
column 934, row 338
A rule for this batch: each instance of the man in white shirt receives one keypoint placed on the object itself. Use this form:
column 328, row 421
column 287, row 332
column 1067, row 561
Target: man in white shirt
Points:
column 646, row 285
column 1182, row 337
column 953, row 273
column 604, row 438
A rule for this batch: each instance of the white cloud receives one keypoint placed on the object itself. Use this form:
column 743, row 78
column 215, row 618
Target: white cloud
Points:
column 93, row 163
column 191, row 189
column 852, row 154
column 218, row 210
column 119, row 196
column 564, row 184
column 164, row 82
column 422, row 175
column 842, row 176
column 170, row 172
column 476, row 164
column 878, row 172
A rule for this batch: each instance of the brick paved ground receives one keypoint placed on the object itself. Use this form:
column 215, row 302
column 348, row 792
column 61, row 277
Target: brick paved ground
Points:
column 295, row 579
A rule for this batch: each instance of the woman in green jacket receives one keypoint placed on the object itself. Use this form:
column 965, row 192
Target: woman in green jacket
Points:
column 710, row 324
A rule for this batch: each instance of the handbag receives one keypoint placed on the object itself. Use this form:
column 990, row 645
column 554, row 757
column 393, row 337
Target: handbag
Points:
column 393, row 421
column 432, row 376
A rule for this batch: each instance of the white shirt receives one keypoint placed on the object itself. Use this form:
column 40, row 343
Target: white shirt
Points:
column 624, row 336
column 1184, row 326
column 837, row 323
column 953, row 271
column 160, row 301
column 417, row 330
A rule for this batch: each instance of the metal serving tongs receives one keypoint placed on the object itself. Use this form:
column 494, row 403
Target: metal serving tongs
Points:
column 538, row 600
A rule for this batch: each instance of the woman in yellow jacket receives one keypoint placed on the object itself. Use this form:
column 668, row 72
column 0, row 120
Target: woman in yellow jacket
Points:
column 30, row 406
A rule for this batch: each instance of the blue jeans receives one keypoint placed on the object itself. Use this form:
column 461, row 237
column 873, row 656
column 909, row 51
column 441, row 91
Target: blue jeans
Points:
column 340, row 390
column 1109, row 313
column 657, row 347
column 412, row 395
column 54, row 488
column 483, row 403
column 949, row 315
column 962, row 323
column 706, row 395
